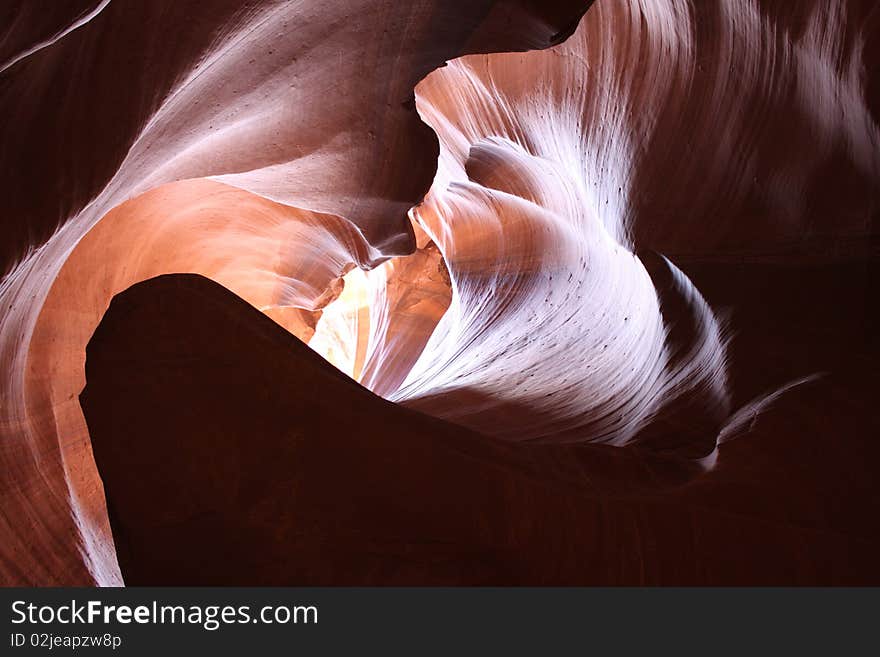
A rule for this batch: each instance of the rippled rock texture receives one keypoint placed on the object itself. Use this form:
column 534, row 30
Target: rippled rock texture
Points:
column 626, row 335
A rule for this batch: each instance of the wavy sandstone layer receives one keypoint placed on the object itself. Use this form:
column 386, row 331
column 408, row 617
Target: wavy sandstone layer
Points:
column 610, row 220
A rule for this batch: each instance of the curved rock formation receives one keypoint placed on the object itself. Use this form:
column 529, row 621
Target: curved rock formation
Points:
column 548, row 289
column 557, row 166
column 269, row 96
column 249, row 471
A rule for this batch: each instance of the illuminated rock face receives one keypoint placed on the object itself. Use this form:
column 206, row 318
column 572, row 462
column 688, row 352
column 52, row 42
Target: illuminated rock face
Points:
column 556, row 167
column 305, row 103
column 537, row 294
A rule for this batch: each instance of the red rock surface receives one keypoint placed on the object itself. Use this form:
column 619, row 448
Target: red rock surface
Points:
column 312, row 100
column 641, row 288
column 232, row 454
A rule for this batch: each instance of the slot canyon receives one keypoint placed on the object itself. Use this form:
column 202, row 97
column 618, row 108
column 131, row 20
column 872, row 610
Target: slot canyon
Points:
column 444, row 292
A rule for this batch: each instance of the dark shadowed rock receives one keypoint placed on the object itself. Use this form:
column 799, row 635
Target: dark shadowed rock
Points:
column 232, row 454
